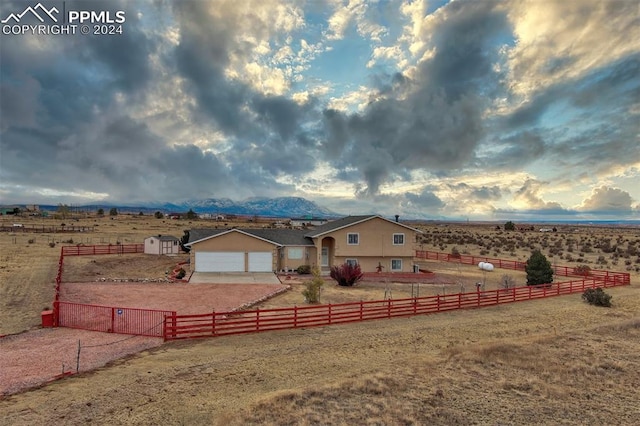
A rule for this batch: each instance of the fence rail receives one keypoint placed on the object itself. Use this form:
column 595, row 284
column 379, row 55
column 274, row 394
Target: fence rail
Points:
column 564, row 271
column 109, row 319
column 225, row 323
column 81, row 250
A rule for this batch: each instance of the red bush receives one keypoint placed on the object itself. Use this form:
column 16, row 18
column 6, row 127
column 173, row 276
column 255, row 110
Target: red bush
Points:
column 347, row 274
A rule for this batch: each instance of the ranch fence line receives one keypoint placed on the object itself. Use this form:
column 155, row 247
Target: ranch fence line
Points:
column 215, row 324
column 167, row 324
column 81, row 250
column 565, row 271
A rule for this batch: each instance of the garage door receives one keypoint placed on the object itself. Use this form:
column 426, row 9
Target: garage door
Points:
column 260, row 261
column 223, row 261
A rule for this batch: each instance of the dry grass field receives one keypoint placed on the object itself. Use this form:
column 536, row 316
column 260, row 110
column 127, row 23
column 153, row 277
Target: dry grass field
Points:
column 552, row 361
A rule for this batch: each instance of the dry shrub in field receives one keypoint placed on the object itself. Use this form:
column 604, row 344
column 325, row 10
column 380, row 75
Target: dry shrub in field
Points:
column 597, row 297
column 347, row 274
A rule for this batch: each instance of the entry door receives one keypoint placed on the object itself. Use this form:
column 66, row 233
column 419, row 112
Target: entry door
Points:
column 325, row 256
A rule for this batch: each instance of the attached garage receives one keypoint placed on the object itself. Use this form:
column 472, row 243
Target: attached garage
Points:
column 231, row 250
column 260, row 261
column 220, row 262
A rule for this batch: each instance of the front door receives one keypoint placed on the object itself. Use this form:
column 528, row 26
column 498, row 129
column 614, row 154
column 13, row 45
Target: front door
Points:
column 325, row 256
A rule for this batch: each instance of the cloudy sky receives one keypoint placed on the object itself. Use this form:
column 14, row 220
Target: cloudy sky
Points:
column 437, row 109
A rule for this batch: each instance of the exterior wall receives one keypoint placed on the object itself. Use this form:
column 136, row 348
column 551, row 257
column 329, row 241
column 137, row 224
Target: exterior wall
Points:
column 286, row 264
column 232, row 241
column 375, row 244
column 370, row 264
column 151, row 246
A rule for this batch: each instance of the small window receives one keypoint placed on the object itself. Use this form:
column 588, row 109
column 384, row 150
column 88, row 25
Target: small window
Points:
column 151, row 241
column 398, row 239
column 175, row 243
column 396, row 264
column 353, row 239
column 295, row 253
column 351, row 262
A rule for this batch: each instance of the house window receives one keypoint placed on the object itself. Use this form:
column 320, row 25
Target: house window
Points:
column 351, row 262
column 396, row 264
column 353, row 239
column 295, row 253
column 150, row 241
column 398, row 239
column 175, row 243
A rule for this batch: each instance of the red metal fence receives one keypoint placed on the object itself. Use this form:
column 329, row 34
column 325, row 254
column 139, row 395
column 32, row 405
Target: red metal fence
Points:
column 102, row 249
column 225, row 323
column 564, row 271
column 140, row 322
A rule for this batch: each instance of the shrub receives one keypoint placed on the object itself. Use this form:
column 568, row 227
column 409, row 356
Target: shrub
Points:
column 582, row 270
column 52, row 244
column 455, row 253
column 509, row 226
column 313, row 287
column 181, row 273
column 158, row 215
column 347, row 274
column 597, row 297
column 303, row 269
column 539, row 270
column 507, row 281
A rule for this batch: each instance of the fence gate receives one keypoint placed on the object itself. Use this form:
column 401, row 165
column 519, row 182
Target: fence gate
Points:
column 109, row 319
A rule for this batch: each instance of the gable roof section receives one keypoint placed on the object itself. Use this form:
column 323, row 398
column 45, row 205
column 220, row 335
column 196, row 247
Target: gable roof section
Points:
column 164, row 237
column 279, row 237
column 348, row 221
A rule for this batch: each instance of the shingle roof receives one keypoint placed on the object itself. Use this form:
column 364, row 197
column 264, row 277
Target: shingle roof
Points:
column 347, row 221
column 285, row 237
column 165, row 237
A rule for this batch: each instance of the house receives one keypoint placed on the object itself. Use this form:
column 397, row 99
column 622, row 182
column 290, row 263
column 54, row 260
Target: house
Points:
column 162, row 244
column 369, row 241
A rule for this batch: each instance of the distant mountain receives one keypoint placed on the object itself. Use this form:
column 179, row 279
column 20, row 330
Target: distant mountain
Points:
column 272, row 207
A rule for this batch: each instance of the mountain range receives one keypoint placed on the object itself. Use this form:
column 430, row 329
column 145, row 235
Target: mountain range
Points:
column 272, row 207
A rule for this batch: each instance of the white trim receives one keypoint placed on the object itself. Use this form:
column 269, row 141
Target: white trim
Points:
column 396, row 260
column 357, row 234
column 394, row 239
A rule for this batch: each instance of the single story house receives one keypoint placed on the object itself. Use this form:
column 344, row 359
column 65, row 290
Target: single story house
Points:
column 162, row 244
column 371, row 241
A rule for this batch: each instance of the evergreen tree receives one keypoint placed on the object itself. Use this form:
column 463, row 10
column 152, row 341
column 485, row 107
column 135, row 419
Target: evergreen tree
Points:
column 539, row 270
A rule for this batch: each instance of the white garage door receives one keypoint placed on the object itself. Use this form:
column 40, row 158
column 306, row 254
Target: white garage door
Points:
column 260, row 261
column 223, row 261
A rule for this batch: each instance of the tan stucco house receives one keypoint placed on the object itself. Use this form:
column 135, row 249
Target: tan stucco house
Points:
column 161, row 244
column 369, row 241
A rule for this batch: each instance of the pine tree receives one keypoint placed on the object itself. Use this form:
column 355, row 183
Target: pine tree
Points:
column 539, row 270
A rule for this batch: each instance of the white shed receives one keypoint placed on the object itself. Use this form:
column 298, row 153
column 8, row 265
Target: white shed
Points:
column 162, row 244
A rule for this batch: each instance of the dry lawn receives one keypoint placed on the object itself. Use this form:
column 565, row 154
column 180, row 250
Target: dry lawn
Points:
column 554, row 361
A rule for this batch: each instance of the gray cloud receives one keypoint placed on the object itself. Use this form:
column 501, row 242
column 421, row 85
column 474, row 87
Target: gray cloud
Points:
column 439, row 124
column 608, row 199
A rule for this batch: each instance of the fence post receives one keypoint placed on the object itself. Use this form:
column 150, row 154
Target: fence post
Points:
column 329, row 306
column 56, row 313
column 213, row 322
column 295, row 316
column 113, row 319
column 438, row 302
column 459, row 300
column 514, row 293
column 257, row 319
column 360, row 309
column 529, row 292
column 389, row 308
